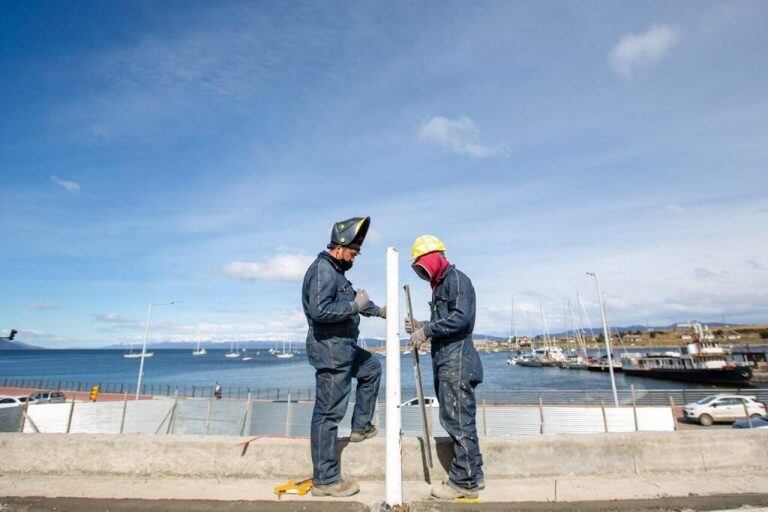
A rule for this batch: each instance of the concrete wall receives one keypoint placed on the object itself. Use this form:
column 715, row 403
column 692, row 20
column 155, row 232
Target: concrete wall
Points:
column 740, row 451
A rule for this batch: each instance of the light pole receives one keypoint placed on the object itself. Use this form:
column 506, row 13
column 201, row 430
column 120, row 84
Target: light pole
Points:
column 607, row 337
column 144, row 345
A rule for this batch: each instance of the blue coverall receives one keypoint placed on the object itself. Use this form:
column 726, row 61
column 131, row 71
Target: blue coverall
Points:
column 333, row 318
column 457, row 371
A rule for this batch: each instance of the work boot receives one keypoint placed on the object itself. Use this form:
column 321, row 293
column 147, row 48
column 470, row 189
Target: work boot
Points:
column 358, row 436
column 340, row 489
column 447, row 490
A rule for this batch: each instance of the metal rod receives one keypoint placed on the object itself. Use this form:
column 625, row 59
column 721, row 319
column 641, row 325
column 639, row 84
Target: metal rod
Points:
column 634, row 405
column 208, row 415
column 71, row 412
column 605, row 417
column 672, row 406
column 288, row 416
column 419, row 381
column 125, row 407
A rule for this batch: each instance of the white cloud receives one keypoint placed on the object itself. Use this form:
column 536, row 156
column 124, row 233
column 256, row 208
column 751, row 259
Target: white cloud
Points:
column 644, row 49
column 70, row 186
column 284, row 267
column 458, row 135
column 111, row 318
column 42, row 306
column 674, row 208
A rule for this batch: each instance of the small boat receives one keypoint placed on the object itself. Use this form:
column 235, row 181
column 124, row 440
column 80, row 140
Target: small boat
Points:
column 284, row 354
column 199, row 350
column 133, row 355
column 232, row 354
column 246, row 358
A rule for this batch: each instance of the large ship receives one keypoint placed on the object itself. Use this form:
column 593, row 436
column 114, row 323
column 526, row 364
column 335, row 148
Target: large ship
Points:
column 702, row 361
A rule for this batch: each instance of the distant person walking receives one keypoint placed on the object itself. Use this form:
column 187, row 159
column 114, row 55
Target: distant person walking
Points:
column 333, row 309
column 456, row 366
column 217, row 391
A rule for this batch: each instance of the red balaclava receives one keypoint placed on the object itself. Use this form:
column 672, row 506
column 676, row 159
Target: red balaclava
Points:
column 431, row 265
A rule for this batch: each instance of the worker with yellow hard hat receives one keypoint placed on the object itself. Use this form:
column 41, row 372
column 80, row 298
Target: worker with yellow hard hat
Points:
column 456, row 366
column 333, row 307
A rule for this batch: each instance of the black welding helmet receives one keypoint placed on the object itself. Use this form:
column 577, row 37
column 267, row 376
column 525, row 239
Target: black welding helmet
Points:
column 350, row 233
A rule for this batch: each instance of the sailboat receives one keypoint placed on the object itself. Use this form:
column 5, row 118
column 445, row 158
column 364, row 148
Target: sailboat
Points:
column 246, row 357
column 199, row 351
column 131, row 354
column 284, row 354
column 232, row 353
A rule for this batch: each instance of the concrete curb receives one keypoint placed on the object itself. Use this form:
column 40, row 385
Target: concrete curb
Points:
column 641, row 453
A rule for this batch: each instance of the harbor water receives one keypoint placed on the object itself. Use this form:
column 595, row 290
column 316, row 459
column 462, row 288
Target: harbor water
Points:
column 181, row 368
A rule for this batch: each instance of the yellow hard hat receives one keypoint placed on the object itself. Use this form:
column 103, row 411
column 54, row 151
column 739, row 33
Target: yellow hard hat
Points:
column 425, row 244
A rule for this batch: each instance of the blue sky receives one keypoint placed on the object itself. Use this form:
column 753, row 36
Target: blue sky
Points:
column 201, row 151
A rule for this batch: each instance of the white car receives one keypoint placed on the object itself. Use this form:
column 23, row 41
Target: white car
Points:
column 13, row 401
column 723, row 408
column 429, row 401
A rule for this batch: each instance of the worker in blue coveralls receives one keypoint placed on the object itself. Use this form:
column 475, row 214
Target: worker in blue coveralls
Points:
column 333, row 309
column 456, row 366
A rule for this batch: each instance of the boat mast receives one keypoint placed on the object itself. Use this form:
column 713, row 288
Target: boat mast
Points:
column 544, row 324
column 533, row 329
column 589, row 323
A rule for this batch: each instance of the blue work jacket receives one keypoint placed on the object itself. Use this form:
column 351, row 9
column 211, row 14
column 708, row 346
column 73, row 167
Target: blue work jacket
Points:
column 452, row 308
column 328, row 298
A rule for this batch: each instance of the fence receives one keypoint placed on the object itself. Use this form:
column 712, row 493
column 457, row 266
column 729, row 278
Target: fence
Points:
column 490, row 396
column 292, row 418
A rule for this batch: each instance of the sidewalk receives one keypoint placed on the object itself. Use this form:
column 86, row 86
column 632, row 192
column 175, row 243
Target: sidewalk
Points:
column 499, row 495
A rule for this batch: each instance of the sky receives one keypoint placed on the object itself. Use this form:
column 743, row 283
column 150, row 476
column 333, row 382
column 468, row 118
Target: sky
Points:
column 201, row 151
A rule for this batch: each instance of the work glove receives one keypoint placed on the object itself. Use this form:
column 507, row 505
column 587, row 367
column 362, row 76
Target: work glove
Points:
column 409, row 328
column 383, row 312
column 361, row 299
column 418, row 338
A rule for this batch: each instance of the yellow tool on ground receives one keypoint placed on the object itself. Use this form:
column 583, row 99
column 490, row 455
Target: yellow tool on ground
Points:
column 300, row 487
column 466, row 500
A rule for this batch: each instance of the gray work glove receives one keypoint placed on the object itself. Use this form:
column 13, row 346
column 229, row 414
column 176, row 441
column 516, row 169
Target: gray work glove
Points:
column 409, row 328
column 383, row 312
column 418, row 338
column 362, row 300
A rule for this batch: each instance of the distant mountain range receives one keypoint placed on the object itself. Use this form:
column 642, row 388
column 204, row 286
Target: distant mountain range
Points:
column 266, row 344
column 17, row 345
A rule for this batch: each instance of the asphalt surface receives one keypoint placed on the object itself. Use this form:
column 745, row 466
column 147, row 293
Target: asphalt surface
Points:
column 743, row 502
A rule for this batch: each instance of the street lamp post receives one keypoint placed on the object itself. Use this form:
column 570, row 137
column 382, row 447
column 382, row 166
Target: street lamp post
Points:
column 144, row 345
column 607, row 337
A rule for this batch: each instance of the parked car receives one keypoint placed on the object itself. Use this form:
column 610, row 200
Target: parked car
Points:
column 47, row 397
column 761, row 422
column 12, row 401
column 429, row 401
column 723, row 408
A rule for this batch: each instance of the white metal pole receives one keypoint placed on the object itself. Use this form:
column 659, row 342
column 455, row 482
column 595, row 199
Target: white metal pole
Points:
column 394, row 477
column 607, row 339
column 143, row 351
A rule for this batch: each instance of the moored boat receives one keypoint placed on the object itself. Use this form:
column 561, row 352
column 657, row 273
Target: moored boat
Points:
column 702, row 361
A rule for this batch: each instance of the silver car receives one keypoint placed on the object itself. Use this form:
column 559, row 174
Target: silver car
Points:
column 47, row 397
column 723, row 408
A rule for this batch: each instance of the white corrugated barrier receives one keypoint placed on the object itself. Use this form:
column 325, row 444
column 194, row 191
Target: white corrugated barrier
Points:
column 240, row 417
